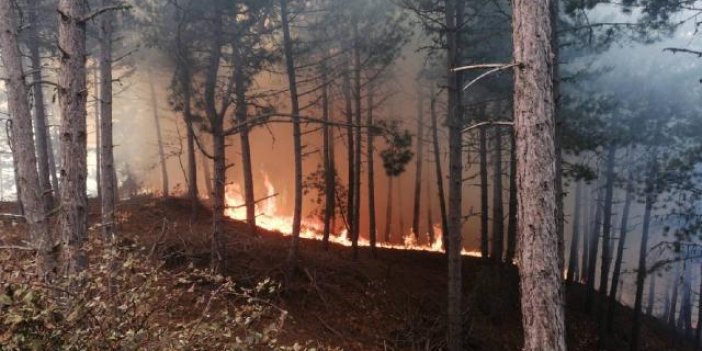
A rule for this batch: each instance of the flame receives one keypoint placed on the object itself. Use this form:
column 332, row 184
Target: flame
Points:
column 269, row 218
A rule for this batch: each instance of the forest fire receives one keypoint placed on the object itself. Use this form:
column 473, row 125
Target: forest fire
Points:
column 269, row 218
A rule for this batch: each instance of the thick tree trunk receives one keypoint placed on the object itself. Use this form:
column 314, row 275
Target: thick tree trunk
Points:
column 98, row 131
column 606, row 234
column 40, row 129
column 540, row 261
column 484, row 218
column 454, row 18
column 23, row 150
column 498, row 219
column 72, row 100
column 165, row 188
column 512, row 220
column 571, row 276
column 419, row 157
column 329, row 171
column 623, row 229
column 108, row 182
column 438, row 170
column 388, row 211
column 641, row 269
column 241, row 116
column 371, row 173
column 356, row 218
column 297, row 136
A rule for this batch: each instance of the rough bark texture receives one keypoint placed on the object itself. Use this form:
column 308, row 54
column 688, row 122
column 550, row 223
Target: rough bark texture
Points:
column 542, row 297
column 484, row 215
column 641, row 269
column 23, row 150
column 108, row 183
column 165, row 187
column 40, row 129
column 419, row 157
column 512, row 220
column 73, row 94
column 438, row 170
column 371, row 174
column 455, row 215
column 616, row 273
column 241, row 116
column 571, row 275
column 297, row 137
column 498, row 223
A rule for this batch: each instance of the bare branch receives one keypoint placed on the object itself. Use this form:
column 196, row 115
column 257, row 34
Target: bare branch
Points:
column 686, row 51
column 487, row 123
column 102, row 10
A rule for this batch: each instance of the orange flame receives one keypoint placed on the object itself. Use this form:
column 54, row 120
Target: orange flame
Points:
column 267, row 217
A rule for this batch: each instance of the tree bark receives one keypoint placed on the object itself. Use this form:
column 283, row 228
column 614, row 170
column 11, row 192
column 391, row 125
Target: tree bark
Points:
column 388, row 211
column 348, row 109
column 356, row 218
column 241, row 116
column 512, row 220
column 571, row 276
column 439, row 171
column 498, row 231
column 540, row 270
column 606, row 234
column 641, row 270
column 371, row 173
column 24, row 149
column 484, row 218
column 98, row 131
column 670, row 318
column 108, row 182
column 208, row 177
column 594, row 249
column 418, row 164
column 587, row 230
column 165, row 188
column 40, row 129
column 623, row 229
column 650, row 304
column 72, row 100
column 329, row 171
column 454, row 18
column 297, row 137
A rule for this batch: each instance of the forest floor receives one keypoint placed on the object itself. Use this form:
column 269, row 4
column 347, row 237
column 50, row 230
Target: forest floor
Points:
column 394, row 301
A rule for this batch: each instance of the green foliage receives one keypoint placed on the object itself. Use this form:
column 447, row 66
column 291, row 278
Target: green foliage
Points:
column 126, row 302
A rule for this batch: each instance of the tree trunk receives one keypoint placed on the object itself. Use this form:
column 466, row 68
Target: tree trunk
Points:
column 40, row 129
column 297, row 137
column 698, row 329
column 348, row 110
column 439, row 171
column 108, row 182
column 624, row 227
column 98, row 131
column 371, row 173
column 606, row 234
column 52, row 162
column 670, row 318
column 419, row 157
column 484, row 218
column 641, row 270
column 594, row 249
column 587, row 230
column 329, row 171
column 208, row 177
column 512, row 220
column 575, row 240
column 356, row 218
column 540, row 261
column 388, row 211
column 165, row 188
column 184, row 77
column 72, row 90
column 16, row 169
column 650, row 304
column 454, row 18
column 498, row 231
column 23, row 150
column 241, row 116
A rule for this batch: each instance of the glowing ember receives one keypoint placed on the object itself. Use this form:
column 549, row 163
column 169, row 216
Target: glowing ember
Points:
column 267, row 217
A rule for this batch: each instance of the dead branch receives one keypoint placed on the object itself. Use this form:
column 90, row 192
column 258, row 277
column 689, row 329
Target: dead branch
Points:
column 686, row 51
column 487, row 123
column 494, row 70
column 102, row 10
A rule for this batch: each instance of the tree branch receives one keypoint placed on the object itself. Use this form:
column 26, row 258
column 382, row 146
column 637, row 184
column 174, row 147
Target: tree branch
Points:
column 102, row 10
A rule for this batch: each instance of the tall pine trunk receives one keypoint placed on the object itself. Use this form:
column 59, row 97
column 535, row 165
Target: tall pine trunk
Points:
column 165, row 188
column 107, row 174
column 586, row 237
column 73, row 213
column 623, row 229
column 356, row 217
column 540, row 261
column 24, row 149
column 484, row 216
column 329, row 170
column 438, row 170
column 497, row 209
column 650, row 303
column 388, row 211
column 348, row 111
column 40, row 128
column 241, row 116
column 98, row 131
column 641, row 269
column 371, row 173
column 594, row 249
column 419, row 157
column 571, row 276
column 606, row 234
column 297, row 136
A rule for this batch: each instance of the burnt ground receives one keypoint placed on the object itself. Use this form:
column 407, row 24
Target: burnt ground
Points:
column 394, row 301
